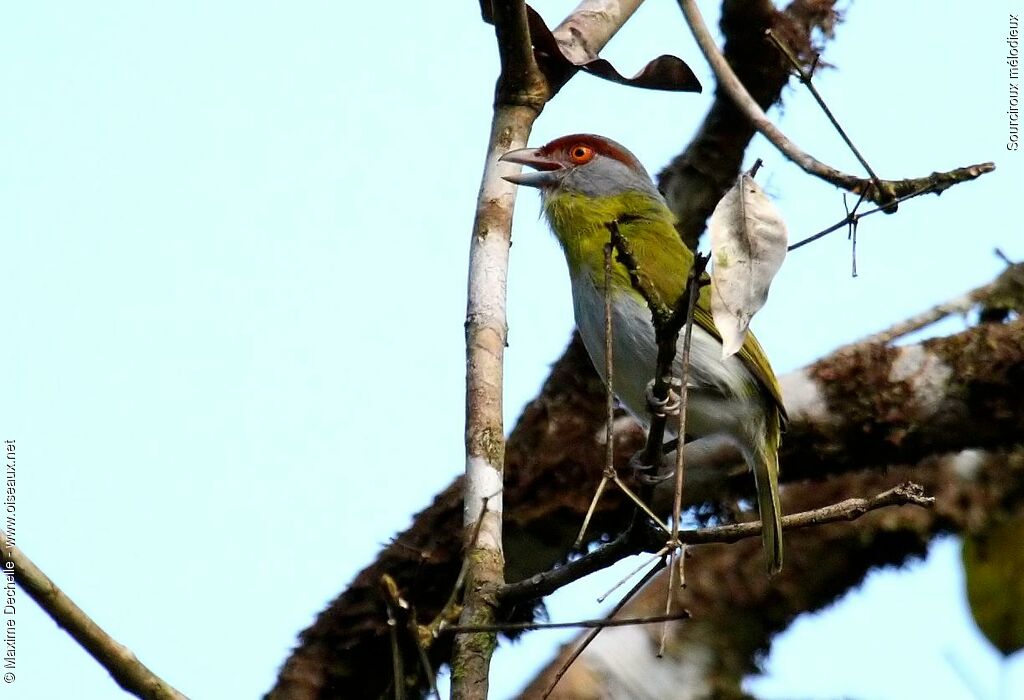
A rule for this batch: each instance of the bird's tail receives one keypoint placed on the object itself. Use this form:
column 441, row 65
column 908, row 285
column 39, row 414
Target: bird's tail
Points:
column 765, row 464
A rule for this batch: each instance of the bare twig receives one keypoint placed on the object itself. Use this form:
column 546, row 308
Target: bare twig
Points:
column 397, row 663
column 806, row 79
column 934, row 183
column 589, row 637
column 609, row 398
column 421, row 636
column 850, row 509
column 594, row 624
column 130, row 673
column 657, row 556
column 629, row 543
column 677, row 549
column 885, row 192
column 453, row 608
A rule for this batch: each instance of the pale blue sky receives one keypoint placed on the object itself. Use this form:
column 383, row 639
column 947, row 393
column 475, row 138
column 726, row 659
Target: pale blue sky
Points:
column 234, row 240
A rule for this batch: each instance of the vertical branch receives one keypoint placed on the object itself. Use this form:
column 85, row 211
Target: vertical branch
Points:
column 520, row 96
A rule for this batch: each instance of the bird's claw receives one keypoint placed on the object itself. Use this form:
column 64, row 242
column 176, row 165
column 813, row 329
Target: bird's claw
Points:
column 642, row 470
column 656, row 478
column 669, row 406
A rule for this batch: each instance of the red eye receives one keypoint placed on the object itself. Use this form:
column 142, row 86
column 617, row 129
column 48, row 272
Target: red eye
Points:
column 580, row 154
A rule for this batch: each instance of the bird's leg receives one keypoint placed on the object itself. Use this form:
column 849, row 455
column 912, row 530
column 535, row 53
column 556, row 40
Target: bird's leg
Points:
column 641, row 469
column 660, row 408
column 668, row 406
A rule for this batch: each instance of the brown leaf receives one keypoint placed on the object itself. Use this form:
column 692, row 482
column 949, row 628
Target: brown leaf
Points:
column 663, row 73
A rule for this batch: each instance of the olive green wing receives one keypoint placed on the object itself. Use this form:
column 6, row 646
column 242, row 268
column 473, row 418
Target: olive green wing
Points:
column 665, row 263
column 752, row 354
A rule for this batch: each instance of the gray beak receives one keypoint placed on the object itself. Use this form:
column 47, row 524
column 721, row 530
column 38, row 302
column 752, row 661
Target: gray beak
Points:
column 547, row 169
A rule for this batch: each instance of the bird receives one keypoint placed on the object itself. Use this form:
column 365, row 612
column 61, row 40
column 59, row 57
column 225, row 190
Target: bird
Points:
column 587, row 181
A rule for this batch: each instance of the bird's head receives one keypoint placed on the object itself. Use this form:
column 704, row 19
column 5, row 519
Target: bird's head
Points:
column 583, row 164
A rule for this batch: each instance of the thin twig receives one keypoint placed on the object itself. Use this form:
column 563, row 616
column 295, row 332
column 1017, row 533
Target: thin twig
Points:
column 609, row 396
column 806, row 79
column 421, row 649
column 852, row 217
column 670, row 589
column 630, row 543
column 598, row 492
column 592, row 634
column 692, row 285
column 634, row 540
column 624, row 254
column 452, row 607
column 852, row 234
column 660, row 554
column 640, row 503
column 593, row 624
column 397, row 664
column 130, row 673
column 852, row 508
column 886, row 192
column 421, row 636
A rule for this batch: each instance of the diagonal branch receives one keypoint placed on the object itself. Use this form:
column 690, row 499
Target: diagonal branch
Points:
column 883, row 193
column 130, row 673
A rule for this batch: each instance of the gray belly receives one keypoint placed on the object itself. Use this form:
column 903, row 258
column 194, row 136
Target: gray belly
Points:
column 722, row 395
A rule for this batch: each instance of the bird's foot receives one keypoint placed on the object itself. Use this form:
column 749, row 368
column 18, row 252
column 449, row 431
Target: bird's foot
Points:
column 669, row 406
column 645, row 472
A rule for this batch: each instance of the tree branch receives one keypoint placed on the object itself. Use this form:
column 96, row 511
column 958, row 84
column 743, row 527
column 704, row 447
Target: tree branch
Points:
column 555, row 453
column 883, row 193
column 130, row 673
column 626, row 545
column 735, row 611
column 521, row 93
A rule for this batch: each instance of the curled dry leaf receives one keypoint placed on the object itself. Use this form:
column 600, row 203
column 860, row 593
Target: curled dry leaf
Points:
column 748, row 244
column 663, row 73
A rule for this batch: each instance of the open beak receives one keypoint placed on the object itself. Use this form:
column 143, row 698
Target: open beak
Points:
column 547, row 169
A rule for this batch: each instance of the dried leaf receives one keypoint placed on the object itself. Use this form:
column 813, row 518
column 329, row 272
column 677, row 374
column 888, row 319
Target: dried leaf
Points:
column 994, row 567
column 748, row 245
column 663, row 73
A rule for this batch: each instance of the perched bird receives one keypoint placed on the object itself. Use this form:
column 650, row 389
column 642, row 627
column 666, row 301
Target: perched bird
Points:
column 587, row 181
